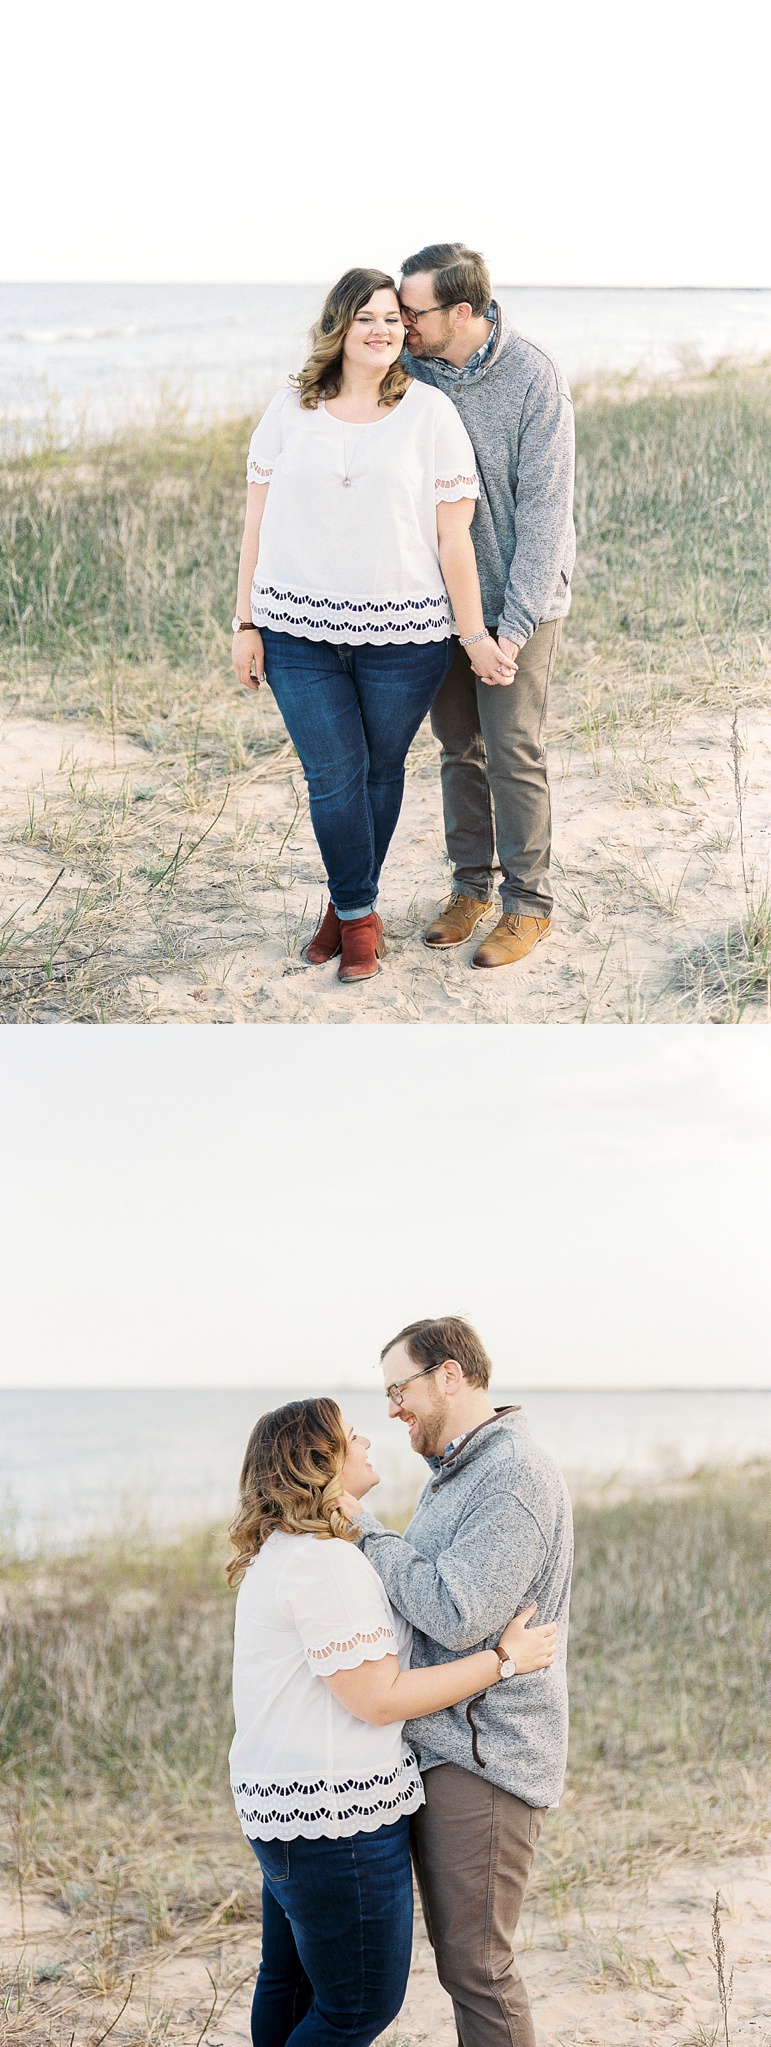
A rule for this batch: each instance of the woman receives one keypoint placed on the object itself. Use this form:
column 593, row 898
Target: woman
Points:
column 322, row 1780
column 356, row 554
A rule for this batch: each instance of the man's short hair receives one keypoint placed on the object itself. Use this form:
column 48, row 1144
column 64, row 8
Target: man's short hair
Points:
column 460, row 274
column 430, row 1343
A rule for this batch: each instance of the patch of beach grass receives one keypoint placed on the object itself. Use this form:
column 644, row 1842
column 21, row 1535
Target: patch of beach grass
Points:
column 115, row 1721
column 117, row 558
column 674, row 518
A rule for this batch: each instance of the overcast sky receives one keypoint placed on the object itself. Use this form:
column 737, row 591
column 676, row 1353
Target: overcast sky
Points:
column 577, row 145
column 219, row 1207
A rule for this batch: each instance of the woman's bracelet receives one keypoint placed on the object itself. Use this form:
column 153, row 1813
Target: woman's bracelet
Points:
column 471, row 638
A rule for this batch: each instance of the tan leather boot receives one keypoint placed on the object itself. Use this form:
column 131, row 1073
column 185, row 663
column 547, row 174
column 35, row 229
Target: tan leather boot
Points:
column 513, row 937
column 457, row 921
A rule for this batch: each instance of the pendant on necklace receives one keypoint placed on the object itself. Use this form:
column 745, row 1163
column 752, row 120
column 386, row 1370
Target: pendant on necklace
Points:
column 346, row 483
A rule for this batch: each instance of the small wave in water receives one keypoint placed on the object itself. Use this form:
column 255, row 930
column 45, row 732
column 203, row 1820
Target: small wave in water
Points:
column 52, row 337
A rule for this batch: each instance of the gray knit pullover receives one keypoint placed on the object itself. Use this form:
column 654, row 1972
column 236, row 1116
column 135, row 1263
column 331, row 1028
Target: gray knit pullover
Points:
column 518, row 412
column 492, row 1531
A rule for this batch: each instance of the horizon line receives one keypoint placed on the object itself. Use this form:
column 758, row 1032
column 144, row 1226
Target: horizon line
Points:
column 273, row 1387
column 502, row 284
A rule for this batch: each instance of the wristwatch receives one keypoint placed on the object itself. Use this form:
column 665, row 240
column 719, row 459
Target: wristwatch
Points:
column 242, row 625
column 507, row 1666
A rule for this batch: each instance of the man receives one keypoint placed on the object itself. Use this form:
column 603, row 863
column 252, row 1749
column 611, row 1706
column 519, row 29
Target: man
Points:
column 492, row 1531
column 518, row 411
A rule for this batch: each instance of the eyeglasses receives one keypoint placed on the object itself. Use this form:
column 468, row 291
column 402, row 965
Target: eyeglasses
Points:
column 415, row 317
column 395, row 1393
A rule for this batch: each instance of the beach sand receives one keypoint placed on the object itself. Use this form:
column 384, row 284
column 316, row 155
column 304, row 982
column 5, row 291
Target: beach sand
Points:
column 186, row 898
column 638, row 1966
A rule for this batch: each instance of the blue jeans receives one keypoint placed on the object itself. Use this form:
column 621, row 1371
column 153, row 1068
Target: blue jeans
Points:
column 336, row 1938
column 352, row 713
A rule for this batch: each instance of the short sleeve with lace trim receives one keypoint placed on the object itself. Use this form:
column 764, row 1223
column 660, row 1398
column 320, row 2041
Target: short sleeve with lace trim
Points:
column 267, row 440
column 456, row 469
column 338, row 1606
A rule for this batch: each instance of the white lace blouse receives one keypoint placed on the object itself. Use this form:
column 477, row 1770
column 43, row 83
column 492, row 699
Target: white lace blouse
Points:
column 300, row 1763
column 348, row 545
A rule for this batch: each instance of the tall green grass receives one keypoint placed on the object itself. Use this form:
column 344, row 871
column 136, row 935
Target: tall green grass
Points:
column 115, row 1666
column 125, row 552
column 671, row 1629
column 673, row 508
column 115, row 1670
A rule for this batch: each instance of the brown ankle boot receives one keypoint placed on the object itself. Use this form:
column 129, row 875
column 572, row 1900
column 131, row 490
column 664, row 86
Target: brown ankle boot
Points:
column 363, row 947
column 326, row 943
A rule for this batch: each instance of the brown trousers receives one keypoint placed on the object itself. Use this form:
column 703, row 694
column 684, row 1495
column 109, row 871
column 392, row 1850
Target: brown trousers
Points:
column 472, row 1846
column 495, row 786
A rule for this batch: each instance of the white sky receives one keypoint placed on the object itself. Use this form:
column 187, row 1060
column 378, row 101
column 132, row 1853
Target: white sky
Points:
column 588, row 144
column 219, row 1207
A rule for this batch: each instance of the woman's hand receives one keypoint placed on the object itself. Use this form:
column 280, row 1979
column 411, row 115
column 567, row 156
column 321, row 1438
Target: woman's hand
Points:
column 248, row 654
column 350, row 1505
column 491, row 663
column 529, row 1648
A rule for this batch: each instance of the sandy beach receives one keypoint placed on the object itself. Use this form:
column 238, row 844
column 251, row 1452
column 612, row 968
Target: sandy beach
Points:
column 594, row 1970
column 174, row 902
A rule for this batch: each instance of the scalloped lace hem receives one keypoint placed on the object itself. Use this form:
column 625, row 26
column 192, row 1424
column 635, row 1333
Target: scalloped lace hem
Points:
column 448, row 489
column 358, row 1648
column 352, row 618
column 316, row 1808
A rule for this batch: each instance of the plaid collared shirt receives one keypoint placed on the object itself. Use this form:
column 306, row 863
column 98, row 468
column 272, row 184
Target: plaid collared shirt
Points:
column 449, row 1449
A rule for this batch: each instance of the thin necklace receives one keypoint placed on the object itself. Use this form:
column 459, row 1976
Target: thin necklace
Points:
column 346, row 478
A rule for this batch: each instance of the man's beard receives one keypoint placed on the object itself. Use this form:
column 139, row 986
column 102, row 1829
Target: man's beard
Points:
column 426, row 353
column 430, row 1429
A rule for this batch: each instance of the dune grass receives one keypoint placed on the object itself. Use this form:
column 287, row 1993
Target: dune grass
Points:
column 673, row 509
column 117, row 560
column 115, row 1722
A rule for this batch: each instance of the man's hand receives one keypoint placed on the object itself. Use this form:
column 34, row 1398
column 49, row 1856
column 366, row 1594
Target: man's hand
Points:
column 529, row 1648
column 510, row 648
column 247, row 651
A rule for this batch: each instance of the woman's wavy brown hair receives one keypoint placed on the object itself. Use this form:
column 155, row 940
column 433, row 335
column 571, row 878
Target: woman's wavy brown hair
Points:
column 291, row 1478
column 321, row 375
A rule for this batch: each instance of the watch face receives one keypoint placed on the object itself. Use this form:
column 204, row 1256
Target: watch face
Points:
column 508, row 1669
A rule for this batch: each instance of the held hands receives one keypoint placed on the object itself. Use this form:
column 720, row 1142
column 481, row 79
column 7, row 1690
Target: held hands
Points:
column 248, row 656
column 494, row 661
column 529, row 1648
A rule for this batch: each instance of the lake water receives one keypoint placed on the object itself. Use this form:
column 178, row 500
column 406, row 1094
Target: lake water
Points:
column 108, row 350
column 75, row 1462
